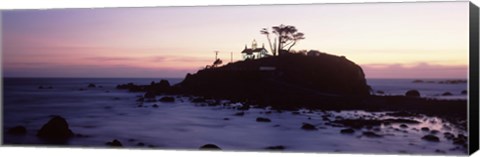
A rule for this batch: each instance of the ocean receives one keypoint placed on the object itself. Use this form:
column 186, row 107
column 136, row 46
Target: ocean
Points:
column 103, row 113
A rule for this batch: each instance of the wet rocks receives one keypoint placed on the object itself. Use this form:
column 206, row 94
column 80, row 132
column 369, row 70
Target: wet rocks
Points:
column 347, row 131
column 460, row 140
column 447, row 94
column 412, row 93
column 358, row 123
column 431, row 138
column 308, row 127
column 198, row 100
column 262, row 119
column 114, row 143
column 279, row 147
column 448, row 135
column 149, row 95
column 371, row 134
column 17, row 130
column 239, row 114
column 167, row 99
column 210, row 147
column 402, row 114
column 425, row 129
column 403, row 126
column 56, row 128
column 91, row 85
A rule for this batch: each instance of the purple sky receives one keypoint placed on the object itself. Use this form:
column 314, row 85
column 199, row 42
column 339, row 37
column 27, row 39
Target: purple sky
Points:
column 389, row 40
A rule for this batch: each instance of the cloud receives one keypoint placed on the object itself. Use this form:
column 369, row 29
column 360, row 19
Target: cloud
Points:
column 110, row 58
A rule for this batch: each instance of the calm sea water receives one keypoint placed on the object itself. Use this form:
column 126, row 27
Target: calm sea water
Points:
column 104, row 113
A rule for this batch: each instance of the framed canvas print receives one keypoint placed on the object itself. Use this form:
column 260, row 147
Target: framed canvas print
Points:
column 358, row 78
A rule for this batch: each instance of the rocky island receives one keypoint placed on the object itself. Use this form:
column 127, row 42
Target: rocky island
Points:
column 295, row 81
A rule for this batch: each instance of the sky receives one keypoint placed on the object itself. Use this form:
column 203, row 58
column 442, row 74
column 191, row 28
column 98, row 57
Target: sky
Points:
column 388, row 40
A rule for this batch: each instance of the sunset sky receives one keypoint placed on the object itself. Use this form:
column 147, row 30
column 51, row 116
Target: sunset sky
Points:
column 388, row 40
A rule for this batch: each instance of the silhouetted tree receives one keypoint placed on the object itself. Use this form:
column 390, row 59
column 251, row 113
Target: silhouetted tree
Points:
column 286, row 35
column 217, row 62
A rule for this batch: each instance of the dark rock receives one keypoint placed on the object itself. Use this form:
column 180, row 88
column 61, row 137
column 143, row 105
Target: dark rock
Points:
column 91, row 85
column 402, row 114
column 447, row 94
column 242, row 80
column 155, row 105
column 460, row 140
column 440, row 151
column 141, row 144
column 431, row 138
column 403, row 126
column 167, row 99
column 210, row 147
column 448, row 135
column 244, row 107
column 380, row 92
column 279, row 147
column 56, row 128
column 295, row 113
column 371, row 134
column 40, row 87
column 226, row 118
column 347, row 131
column 17, row 130
column 434, row 131
column 412, row 93
column 239, row 114
column 261, row 119
column 417, row 81
column 198, row 100
column 114, row 143
column 307, row 126
column 425, row 129
column 149, row 95
column 464, row 92
column 358, row 123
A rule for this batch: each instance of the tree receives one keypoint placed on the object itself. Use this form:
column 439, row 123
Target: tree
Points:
column 217, row 62
column 286, row 35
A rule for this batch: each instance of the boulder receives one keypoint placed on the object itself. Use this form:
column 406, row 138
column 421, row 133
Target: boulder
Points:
column 431, row 138
column 210, row 147
column 309, row 127
column 149, row 95
column 447, row 94
column 371, row 134
column 279, row 147
column 17, row 130
column 114, row 143
column 347, row 131
column 55, row 128
column 425, row 129
column 239, row 114
column 262, row 119
column 167, row 99
column 448, row 135
column 412, row 93
column 91, row 85
column 403, row 126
